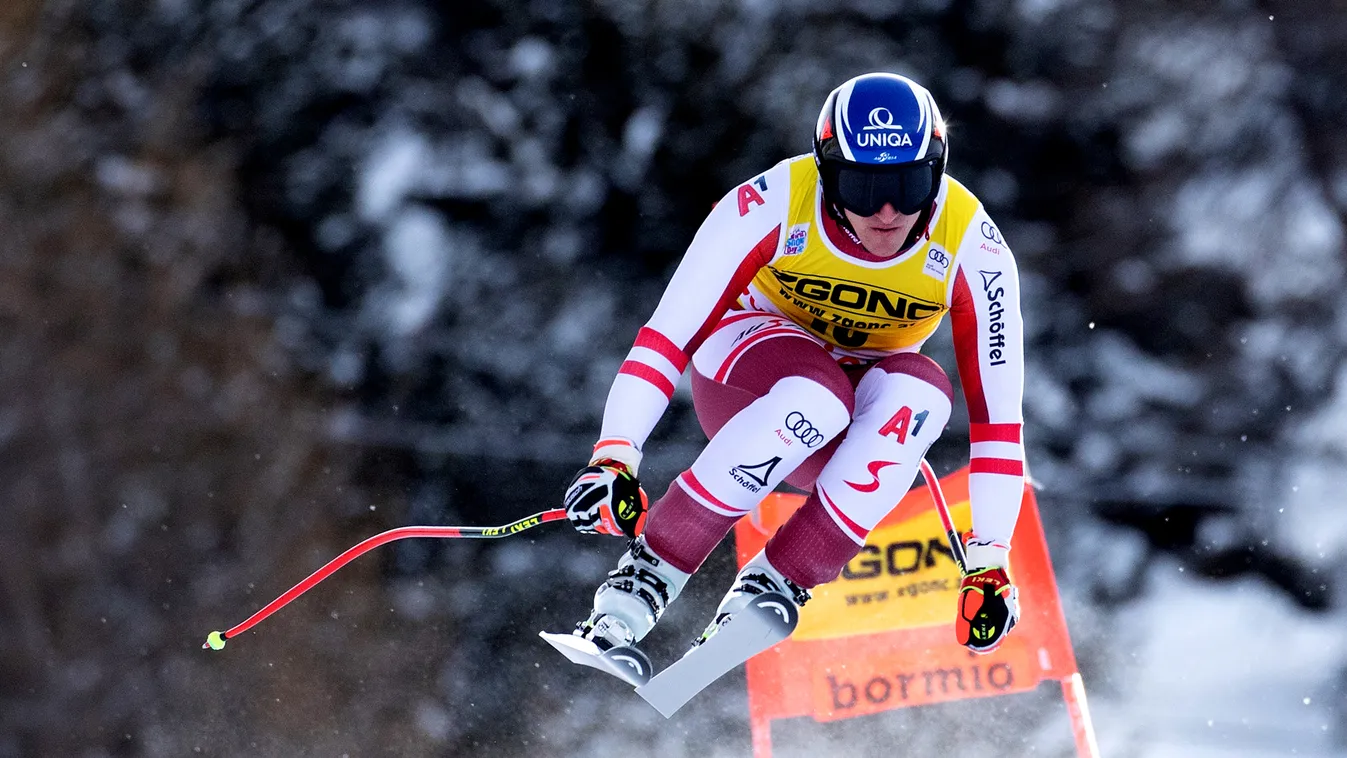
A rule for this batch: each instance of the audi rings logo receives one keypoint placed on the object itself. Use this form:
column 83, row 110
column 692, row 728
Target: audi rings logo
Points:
column 803, row 430
column 992, row 233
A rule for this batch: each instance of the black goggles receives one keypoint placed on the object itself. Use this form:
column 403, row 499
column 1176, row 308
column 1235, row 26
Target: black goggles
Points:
column 864, row 190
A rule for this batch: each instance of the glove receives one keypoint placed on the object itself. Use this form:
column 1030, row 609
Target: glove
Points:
column 606, row 498
column 989, row 605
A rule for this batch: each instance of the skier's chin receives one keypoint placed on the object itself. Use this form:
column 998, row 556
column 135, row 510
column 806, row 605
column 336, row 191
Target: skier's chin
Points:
column 883, row 241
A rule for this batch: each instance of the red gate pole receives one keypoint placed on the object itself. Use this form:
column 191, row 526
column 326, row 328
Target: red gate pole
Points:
column 1073, row 691
column 762, row 737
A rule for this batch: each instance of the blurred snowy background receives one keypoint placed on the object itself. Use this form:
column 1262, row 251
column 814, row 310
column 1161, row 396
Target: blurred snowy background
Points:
column 278, row 274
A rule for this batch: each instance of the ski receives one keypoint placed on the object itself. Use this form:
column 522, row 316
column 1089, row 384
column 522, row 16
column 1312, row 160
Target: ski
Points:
column 626, row 663
column 768, row 619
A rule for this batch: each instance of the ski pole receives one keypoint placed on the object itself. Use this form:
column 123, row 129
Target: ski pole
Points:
column 216, row 640
column 942, row 508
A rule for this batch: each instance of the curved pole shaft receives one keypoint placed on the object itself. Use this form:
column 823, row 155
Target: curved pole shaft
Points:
column 216, row 639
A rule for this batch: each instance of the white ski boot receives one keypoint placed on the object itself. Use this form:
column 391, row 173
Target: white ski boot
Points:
column 757, row 577
column 626, row 607
column 761, row 609
column 632, row 599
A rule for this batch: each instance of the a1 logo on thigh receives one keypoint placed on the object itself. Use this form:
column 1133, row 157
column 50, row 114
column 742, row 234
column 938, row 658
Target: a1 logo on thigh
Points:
column 904, row 423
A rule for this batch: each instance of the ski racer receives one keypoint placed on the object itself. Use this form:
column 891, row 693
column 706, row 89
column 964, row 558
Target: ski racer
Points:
column 802, row 305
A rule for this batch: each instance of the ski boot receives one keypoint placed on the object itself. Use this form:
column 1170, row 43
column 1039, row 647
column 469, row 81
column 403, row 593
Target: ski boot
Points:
column 757, row 577
column 632, row 599
column 626, row 607
column 760, row 610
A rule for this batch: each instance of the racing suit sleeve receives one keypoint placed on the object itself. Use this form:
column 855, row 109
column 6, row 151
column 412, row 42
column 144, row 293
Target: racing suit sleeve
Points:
column 989, row 348
column 739, row 237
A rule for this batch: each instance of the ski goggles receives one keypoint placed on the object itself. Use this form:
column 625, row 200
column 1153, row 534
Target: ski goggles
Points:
column 864, row 190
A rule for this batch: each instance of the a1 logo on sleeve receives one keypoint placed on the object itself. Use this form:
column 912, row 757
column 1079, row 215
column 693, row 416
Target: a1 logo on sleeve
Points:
column 750, row 196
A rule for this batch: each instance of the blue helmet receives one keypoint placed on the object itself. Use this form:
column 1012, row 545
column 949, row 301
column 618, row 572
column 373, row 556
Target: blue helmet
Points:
column 880, row 139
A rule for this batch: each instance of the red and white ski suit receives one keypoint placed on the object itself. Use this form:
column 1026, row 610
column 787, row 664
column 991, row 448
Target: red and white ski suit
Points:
column 806, row 368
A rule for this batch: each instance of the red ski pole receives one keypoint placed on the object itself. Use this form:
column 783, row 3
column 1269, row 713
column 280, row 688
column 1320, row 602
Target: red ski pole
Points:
column 942, row 508
column 216, row 640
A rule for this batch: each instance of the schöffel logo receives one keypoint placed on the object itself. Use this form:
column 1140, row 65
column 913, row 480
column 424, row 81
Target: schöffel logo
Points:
column 996, row 312
column 882, row 131
column 754, row 477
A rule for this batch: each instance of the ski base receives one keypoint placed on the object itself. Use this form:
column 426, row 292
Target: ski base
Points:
column 626, row 663
column 768, row 619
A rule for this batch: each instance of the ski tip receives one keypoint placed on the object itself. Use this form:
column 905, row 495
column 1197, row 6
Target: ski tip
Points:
column 663, row 703
column 563, row 642
column 576, row 649
column 214, row 641
column 779, row 608
column 625, row 663
column 768, row 619
column 629, row 664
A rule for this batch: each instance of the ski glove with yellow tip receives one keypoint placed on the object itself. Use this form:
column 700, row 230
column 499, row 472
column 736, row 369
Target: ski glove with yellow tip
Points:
column 606, row 498
column 989, row 607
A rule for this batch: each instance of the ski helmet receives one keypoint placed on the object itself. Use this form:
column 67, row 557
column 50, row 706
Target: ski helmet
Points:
column 880, row 139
